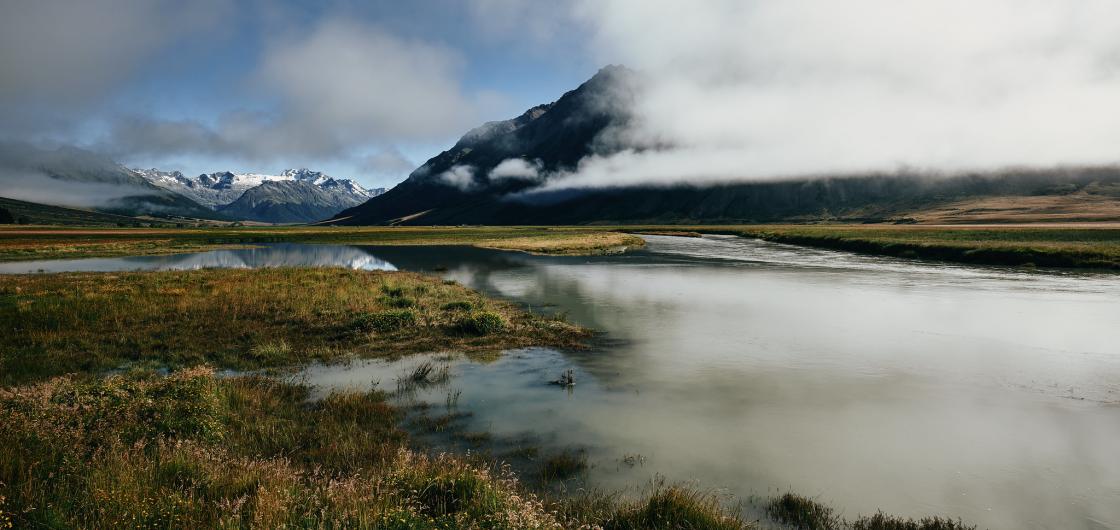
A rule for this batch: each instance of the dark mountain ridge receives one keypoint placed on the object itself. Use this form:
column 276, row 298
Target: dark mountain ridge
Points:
column 456, row 186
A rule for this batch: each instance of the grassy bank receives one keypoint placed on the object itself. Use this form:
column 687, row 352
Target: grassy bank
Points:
column 1074, row 246
column 186, row 449
column 233, row 318
column 189, row 450
column 27, row 243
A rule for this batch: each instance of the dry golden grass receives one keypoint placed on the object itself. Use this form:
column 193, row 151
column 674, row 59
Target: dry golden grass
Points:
column 1078, row 207
column 569, row 243
column 23, row 243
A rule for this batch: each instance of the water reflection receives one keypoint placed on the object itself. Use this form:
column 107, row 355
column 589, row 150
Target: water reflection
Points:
column 271, row 255
column 985, row 393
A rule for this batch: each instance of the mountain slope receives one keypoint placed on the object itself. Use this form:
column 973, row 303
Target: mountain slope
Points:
column 73, row 177
column 462, row 185
column 287, row 201
column 22, row 212
column 456, row 185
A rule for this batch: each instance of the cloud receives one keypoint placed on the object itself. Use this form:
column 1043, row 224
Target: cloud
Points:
column 335, row 91
column 59, row 56
column 743, row 90
column 516, row 168
column 35, row 186
column 461, row 177
column 388, row 162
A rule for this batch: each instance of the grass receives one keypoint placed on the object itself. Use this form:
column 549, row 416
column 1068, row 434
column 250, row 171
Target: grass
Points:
column 44, row 242
column 803, row 513
column 243, row 319
column 662, row 507
column 1042, row 246
column 191, row 450
column 235, row 452
column 563, row 465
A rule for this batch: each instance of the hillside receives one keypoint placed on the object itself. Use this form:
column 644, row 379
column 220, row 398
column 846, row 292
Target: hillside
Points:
column 22, row 212
column 480, row 180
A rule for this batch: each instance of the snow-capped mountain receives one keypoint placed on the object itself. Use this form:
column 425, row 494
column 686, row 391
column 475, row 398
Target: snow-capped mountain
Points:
column 315, row 192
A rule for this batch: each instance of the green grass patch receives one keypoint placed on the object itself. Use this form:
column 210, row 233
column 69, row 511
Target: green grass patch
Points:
column 479, row 323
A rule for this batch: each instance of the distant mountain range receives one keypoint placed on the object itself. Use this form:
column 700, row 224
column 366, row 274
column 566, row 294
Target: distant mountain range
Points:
column 295, row 195
column 75, row 178
column 483, row 178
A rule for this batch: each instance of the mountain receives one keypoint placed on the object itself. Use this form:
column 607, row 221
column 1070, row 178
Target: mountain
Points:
column 290, row 201
column 74, row 177
column 456, row 186
column 291, row 196
column 477, row 181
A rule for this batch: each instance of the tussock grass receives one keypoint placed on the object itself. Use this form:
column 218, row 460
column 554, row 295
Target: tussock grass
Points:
column 563, row 465
column 479, row 324
column 192, row 451
column 804, row 513
column 233, row 318
column 664, row 507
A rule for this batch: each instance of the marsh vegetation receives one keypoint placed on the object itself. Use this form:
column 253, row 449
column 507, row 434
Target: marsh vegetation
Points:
column 247, row 319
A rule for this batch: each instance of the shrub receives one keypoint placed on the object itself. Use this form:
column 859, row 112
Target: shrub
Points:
column 385, row 321
column 479, row 323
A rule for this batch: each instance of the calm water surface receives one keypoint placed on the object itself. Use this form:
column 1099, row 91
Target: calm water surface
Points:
column 871, row 383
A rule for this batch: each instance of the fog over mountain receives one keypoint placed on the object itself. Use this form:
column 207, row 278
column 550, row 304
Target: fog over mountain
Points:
column 74, row 177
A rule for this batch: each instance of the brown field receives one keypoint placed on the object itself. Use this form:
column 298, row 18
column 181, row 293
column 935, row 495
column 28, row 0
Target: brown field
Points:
column 1080, row 207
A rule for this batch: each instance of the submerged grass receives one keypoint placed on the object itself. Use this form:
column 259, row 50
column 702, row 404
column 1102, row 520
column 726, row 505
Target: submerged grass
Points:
column 803, row 513
column 86, row 322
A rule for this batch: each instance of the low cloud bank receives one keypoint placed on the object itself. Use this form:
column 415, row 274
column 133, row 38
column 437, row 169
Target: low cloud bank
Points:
column 746, row 91
column 40, row 188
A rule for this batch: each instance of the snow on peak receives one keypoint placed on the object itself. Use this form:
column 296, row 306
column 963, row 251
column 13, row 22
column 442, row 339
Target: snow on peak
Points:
column 218, row 189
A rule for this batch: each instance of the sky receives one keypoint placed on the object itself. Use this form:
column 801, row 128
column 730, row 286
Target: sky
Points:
column 365, row 90
column 734, row 89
